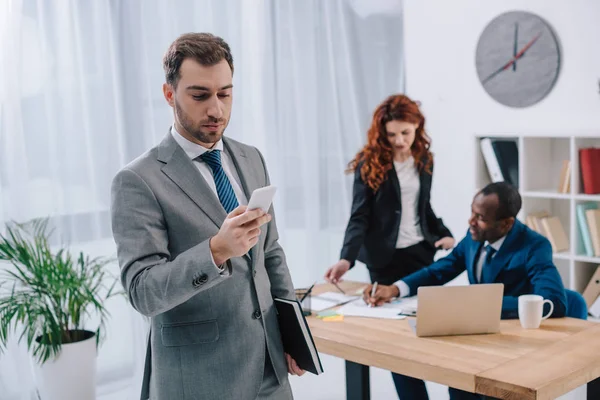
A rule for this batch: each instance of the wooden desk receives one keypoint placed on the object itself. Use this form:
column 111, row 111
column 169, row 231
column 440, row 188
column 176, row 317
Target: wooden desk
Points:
column 543, row 363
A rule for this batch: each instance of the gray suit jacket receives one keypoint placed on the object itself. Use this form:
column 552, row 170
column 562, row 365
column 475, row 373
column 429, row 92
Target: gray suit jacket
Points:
column 210, row 332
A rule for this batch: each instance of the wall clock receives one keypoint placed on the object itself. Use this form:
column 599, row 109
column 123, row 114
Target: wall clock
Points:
column 518, row 59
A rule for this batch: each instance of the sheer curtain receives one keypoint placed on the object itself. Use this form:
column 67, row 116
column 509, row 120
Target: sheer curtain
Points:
column 332, row 63
column 80, row 96
column 62, row 138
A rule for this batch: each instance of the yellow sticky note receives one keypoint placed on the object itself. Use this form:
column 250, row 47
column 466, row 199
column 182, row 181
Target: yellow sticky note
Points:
column 334, row 318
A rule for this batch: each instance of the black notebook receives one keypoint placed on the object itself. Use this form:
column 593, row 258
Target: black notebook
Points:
column 296, row 337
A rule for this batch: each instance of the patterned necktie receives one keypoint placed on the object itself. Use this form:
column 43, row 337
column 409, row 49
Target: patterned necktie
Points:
column 490, row 251
column 224, row 189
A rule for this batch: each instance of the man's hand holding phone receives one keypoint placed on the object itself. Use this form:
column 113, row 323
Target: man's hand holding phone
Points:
column 241, row 229
column 238, row 234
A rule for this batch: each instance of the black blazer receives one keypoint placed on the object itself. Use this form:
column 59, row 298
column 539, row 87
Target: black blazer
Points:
column 372, row 230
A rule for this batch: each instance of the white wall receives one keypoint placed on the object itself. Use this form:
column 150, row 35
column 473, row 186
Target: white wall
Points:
column 440, row 42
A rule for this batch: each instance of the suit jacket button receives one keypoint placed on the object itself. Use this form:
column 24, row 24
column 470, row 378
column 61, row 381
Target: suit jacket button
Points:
column 203, row 279
column 256, row 314
column 254, row 273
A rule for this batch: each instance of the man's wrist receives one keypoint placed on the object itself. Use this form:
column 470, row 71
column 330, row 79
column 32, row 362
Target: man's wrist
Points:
column 219, row 256
column 395, row 291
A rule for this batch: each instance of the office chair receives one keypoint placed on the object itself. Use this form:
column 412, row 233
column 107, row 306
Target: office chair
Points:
column 576, row 306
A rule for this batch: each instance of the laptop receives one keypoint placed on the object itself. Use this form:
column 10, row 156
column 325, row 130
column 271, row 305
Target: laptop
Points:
column 459, row 310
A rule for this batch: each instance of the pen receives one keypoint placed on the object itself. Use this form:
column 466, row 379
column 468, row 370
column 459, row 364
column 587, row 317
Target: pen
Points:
column 373, row 291
column 339, row 288
column 308, row 292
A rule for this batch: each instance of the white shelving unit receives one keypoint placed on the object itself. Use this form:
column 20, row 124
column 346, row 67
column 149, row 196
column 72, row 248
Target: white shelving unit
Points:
column 540, row 162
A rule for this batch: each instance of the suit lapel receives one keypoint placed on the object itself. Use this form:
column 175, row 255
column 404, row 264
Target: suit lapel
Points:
column 182, row 171
column 247, row 178
column 500, row 260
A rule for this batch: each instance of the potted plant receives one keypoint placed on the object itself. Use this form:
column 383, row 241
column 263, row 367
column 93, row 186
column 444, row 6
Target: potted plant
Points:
column 48, row 296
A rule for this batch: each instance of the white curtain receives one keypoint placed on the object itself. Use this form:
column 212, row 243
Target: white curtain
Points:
column 80, row 96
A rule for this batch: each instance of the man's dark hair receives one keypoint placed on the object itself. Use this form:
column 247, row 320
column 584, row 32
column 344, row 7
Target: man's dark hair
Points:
column 509, row 199
column 205, row 48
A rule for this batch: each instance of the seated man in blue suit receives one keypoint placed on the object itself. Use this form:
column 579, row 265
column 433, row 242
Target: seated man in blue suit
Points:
column 497, row 248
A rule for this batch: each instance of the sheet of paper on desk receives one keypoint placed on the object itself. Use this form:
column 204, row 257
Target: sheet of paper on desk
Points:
column 359, row 308
column 407, row 304
column 329, row 299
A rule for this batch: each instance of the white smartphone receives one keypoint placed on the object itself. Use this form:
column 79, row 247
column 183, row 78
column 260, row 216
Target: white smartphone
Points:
column 262, row 198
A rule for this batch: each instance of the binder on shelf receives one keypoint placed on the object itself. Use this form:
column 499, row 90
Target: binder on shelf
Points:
column 592, row 290
column 502, row 159
column 594, row 309
column 296, row 337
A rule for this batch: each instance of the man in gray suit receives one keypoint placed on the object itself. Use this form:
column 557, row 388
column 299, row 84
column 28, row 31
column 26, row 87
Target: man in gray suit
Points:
column 203, row 267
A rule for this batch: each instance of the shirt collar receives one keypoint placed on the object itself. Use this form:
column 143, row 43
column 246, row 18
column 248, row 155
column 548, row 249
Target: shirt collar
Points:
column 193, row 150
column 497, row 244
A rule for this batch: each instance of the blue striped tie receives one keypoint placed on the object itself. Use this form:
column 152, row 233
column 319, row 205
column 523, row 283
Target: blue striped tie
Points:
column 224, row 189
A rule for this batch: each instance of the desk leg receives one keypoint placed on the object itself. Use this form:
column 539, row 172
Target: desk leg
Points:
column 593, row 389
column 358, row 386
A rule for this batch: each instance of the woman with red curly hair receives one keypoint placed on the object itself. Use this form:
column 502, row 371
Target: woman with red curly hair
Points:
column 392, row 227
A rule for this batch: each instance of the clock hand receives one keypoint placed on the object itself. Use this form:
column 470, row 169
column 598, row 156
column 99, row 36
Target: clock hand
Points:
column 513, row 60
column 515, row 45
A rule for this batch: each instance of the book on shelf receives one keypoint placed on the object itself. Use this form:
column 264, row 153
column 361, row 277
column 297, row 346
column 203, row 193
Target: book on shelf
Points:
column 585, row 234
column 550, row 227
column 593, row 220
column 564, row 184
column 502, row 159
column 534, row 221
column 589, row 164
column 555, row 234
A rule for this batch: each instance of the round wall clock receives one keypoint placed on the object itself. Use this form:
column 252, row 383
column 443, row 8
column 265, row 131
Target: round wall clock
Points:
column 518, row 59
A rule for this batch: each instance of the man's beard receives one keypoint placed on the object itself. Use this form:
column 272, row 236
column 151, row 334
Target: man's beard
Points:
column 196, row 131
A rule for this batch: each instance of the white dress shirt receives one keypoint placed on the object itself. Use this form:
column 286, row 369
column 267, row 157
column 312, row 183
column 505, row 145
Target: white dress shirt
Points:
column 193, row 151
column 496, row 246
column 409, row 232
column 404, row 290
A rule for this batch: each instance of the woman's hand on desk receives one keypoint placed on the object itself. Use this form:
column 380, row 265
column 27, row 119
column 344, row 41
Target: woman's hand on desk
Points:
column 445, row 243
column 383, row 294
column 336, row 271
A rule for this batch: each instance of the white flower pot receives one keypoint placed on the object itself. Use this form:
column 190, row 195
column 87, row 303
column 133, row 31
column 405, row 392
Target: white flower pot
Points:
column 72, row 375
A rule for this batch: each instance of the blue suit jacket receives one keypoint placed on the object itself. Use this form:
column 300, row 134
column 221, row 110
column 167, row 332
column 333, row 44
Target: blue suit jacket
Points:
column 523, row 264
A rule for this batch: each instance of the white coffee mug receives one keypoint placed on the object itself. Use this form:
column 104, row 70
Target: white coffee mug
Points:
column 531, row 307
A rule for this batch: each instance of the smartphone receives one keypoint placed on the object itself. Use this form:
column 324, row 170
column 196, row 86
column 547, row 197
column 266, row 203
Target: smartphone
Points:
column 262, row 198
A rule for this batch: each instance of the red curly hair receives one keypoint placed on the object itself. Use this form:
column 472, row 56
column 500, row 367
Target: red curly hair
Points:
column 377, row 155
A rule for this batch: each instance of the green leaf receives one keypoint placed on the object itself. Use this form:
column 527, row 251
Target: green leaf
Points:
column 51, row 293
